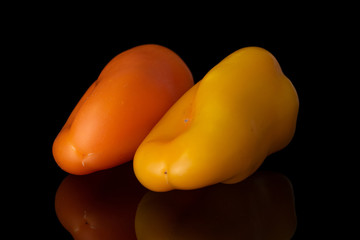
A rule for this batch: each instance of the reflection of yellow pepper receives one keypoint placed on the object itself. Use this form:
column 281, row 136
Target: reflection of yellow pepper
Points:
column 223, row 128
column 261, row 207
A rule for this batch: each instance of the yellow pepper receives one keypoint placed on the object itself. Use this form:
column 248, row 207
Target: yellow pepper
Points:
column 223, row 128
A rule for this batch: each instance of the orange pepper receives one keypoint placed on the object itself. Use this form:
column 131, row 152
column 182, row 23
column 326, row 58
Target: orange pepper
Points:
column 120, row 108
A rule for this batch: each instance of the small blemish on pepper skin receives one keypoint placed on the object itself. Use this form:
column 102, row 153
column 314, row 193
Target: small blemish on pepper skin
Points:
column 186, row 120
column 166, row 177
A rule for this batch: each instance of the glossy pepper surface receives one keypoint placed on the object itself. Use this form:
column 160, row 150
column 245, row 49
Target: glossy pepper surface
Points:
column 223, row 128
column 119, row 109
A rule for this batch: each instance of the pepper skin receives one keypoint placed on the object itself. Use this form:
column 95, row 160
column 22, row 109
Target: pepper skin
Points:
column 132, row 93
column 223, row 128
column 260, row 207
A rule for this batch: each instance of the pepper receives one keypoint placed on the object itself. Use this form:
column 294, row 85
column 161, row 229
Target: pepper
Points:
column 119, row 109
column 223, row 128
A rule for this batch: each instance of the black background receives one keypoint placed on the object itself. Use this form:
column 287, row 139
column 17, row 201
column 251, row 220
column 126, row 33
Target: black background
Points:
column 54, row 57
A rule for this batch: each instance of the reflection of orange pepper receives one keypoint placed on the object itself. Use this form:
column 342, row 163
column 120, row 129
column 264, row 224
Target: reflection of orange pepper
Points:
column 260, row 207
column 119, row 109
column 100, row 205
